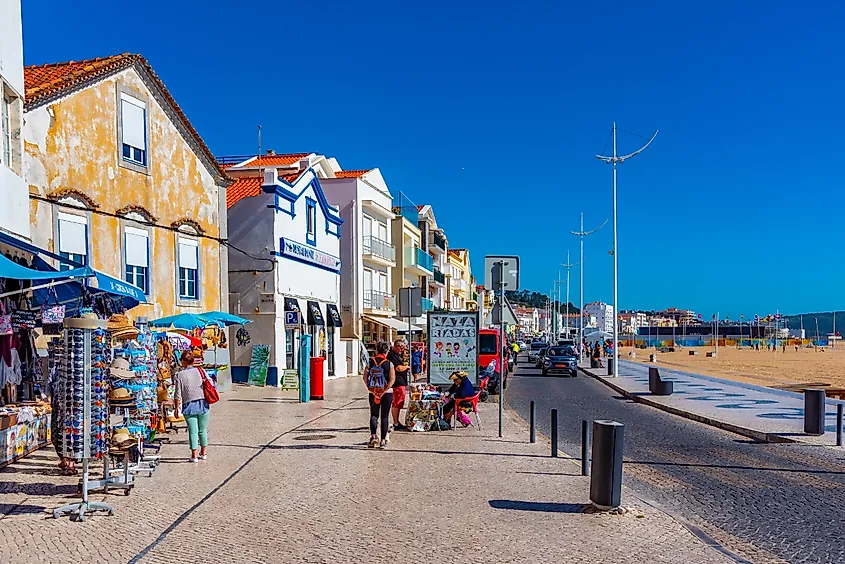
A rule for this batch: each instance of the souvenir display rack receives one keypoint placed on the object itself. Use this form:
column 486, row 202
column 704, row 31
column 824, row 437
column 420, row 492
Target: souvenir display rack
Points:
column 83, row 401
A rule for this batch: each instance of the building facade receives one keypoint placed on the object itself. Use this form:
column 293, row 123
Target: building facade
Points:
column 284, row 260
column 459, row 280
column 414, row 265
column 121, row 181
column 603, row 313
column 434, row 240
column 14, row 195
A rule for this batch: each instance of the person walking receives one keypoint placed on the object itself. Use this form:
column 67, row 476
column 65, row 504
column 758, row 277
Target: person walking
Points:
column 379, row 377
column 400, row 384
column 190, row 402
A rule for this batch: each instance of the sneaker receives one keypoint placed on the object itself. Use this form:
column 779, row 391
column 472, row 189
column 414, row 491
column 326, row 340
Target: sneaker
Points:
column 382, row 445
column 400, row 427
column 387, row 438
column 373, row 442
column 194, row 459
column 203, row 457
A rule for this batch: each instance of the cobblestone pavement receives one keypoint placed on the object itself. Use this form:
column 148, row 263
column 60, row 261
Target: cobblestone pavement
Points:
column 763, row 502
column 269, row 494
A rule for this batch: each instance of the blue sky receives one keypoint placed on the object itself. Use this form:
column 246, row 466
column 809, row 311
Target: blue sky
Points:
column 493, row 113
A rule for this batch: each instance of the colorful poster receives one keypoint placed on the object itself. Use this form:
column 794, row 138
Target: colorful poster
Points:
column 452, row 345
column 258, row 365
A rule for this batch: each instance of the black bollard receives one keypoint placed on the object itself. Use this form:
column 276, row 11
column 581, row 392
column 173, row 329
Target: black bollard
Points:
column 610, row 367
column 554, row 433
column 814, row 412
column 585, row 448
column 839, row 424
column 532, row 420
column 606, row 475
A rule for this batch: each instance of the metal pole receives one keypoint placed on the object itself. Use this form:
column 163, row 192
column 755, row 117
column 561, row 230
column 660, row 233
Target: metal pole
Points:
column 554, row 433
column 581, row 305
column 839, row 424
column 615, row 267
column 502, row 365
column 585, row 448
column 532, row 421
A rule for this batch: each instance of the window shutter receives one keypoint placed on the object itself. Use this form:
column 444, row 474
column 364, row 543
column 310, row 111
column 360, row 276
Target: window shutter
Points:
column 382, row 231
column 72, row 234
column 137, row 245
column 133, row 122
column 188, row 253
column 368, row 226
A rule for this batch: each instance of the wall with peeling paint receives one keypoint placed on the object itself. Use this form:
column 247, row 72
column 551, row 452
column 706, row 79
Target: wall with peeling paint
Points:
column 71, row 144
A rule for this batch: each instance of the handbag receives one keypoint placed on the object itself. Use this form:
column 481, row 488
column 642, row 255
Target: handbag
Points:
column 208, row 389
column 5, row 321
column 23, row 319
column 52, row 314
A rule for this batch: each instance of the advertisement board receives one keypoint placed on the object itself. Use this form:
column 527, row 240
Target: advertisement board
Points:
column 452, row 345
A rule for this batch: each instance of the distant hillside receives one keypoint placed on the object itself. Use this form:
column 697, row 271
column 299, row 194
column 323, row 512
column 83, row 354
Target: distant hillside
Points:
column 527, row 298
column 825, row 322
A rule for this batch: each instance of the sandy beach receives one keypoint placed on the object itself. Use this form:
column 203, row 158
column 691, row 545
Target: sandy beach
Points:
column 764, row 368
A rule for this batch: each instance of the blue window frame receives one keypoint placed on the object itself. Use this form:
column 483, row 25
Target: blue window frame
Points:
column 73, row 239
column 188, row 268
column 310, row 221
column 136, row 257
column 133, row 119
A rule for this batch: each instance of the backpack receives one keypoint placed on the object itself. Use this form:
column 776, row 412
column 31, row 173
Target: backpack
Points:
column 376, row 378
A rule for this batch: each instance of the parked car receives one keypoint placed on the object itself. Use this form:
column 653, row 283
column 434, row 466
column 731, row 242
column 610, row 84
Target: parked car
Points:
column 560, row 360
column 536, row 346
column 541, row 357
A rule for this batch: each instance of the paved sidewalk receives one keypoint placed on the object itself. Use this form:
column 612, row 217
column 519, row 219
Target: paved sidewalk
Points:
column 757, row 412
column 290, row 482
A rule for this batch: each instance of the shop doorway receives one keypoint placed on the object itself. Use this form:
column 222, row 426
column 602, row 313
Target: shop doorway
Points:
column 292, row 349
column 330, row 349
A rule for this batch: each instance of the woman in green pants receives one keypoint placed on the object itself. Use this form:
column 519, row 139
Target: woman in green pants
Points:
column 190, row 402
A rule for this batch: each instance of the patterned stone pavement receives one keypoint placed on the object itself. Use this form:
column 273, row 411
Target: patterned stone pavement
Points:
column 290, row 482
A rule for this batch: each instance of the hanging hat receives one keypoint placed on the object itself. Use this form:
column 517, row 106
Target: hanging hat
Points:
column 121, row 397
column 120, row 369
column 121, row 328
column 122, row 439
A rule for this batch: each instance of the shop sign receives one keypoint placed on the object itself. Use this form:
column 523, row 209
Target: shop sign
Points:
column 258, row 365
column 309, row 255
column 453, row 345
column 292, row 320
column 290, row 379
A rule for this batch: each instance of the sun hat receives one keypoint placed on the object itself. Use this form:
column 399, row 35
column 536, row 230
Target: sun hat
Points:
column 121, row 438
column 121, row 328
column 454, row 376
column 120, row 369
column 121, row 397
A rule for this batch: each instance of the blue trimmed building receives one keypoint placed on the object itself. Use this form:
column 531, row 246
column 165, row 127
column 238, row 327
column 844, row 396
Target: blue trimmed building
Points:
column 284, row 261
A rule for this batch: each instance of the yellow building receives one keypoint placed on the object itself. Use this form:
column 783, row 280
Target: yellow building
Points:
column 120, row 180
column 461, row 289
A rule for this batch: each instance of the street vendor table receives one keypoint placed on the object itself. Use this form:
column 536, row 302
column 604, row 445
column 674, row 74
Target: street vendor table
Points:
column 424, row 414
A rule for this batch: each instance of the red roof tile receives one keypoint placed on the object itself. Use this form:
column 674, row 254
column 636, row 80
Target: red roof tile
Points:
column 249, row 186
column 44, row 83
column 350, row 173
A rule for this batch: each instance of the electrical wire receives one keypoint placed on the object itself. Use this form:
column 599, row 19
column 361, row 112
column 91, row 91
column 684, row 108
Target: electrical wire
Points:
column 609, row 135
column 634, row 134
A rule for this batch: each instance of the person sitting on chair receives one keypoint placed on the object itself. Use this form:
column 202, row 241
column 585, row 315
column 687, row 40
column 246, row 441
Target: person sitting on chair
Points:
column 461, row 388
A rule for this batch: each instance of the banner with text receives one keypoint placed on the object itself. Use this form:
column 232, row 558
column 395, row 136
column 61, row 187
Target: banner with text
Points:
column 452, row 345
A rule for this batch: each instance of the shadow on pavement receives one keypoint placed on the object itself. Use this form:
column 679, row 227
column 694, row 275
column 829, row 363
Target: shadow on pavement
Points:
column 40, row 488
column 7, row 509
column 550, row 473
column 412, row 451
column 545, row 507
column 737, row 467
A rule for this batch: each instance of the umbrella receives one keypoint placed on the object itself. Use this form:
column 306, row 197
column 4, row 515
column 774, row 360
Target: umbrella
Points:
column 225, row 318
column 184, row 321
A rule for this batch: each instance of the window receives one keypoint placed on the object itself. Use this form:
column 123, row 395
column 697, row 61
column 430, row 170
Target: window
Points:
column 134, row 128
column 73, row 239
column 311, row 222
column 368, row 226
column 136, row 257
column 188, row 250
column 382, row 231
column 6, row 128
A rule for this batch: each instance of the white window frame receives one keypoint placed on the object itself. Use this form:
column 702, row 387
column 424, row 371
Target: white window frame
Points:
column 127, row 95
column 75, row 257
column 187, row 299
column 5, row 127
column 133, row 230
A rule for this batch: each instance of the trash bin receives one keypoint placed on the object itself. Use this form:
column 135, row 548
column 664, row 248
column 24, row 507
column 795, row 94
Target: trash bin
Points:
column 317, row 377
column 606, row 475
column 814, row 408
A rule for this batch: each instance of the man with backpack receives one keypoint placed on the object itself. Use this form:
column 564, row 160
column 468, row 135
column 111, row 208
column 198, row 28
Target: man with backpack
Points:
column 402, row 370
column 379, row 377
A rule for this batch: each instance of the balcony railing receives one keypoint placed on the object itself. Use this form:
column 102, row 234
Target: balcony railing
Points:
column 403, row 206
column 427, row 305
column 379, row 300
column 418, row 257
column 458, row 283
column 439, row 277
column 377, row 247
column 439, row 241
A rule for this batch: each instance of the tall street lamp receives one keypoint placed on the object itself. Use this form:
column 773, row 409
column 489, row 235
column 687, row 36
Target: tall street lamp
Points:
column 581, row 234
column 614, row 160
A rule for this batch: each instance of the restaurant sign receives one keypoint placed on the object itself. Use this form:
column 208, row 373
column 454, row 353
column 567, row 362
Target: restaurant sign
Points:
column 308, row 254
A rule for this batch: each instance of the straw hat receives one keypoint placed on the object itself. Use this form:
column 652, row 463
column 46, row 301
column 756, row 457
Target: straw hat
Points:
column 121, row 438
column 121, row 396
column 455, row 376
column 87, row 313
column 120, row 369
column 121, row 328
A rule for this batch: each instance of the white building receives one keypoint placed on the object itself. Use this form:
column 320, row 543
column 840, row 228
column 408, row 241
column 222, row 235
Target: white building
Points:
column 434, row 239
column 368, row 302
column 14, row 193
column 414, row 264
column 603, row 313
column 284, row 262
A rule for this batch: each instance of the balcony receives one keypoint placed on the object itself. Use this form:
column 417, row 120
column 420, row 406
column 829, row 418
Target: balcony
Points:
column 379, row 301
column 437, row 243
column 403, row 206
column 419, row 262
column 427, row 305
column 458, row 284
column 439, row 279
column 378, row 251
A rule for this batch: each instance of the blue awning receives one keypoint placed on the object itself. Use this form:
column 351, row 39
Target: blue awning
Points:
column 106, row 283
column 11, row 269
column 69, row 294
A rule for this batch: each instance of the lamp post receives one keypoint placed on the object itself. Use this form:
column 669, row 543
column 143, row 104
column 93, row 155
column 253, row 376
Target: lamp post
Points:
column 568, row 266
column 614, row 160
column 581, row 234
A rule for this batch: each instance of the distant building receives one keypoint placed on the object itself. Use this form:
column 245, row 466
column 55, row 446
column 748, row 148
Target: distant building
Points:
column 631, row 321
column 681, row 316
column 603, row 313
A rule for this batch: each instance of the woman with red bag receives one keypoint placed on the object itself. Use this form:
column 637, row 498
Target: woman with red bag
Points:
column 190, row 397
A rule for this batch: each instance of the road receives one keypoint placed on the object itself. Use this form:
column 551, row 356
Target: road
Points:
column 763, row 502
